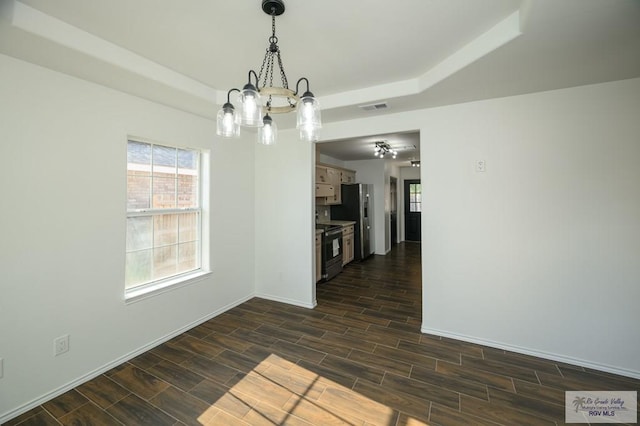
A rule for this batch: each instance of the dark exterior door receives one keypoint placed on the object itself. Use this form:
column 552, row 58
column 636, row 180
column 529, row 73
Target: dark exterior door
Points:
column 412, row 209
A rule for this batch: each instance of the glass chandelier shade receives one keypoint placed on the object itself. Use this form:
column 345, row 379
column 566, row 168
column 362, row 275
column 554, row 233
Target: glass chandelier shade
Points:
column 308, row 120
column 228, row 122
column 268, row 133
column 251, row 106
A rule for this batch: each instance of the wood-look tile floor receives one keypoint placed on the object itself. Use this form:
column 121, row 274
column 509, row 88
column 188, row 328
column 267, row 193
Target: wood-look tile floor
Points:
column 357, row 359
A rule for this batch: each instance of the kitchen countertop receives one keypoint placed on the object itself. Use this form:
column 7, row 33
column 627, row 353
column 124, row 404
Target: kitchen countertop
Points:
column 319, row 231
column 339, row 222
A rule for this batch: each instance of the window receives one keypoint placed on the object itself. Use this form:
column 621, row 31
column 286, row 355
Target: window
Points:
column 164, row 215
column 415, row 197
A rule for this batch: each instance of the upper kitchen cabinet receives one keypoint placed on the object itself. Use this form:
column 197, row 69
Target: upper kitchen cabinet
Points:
column 328, row 177
column 348, row 176
column 322, row 175
column 334, row 177
column 324, row 190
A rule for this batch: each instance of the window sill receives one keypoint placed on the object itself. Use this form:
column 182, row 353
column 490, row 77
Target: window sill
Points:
column 151, row 290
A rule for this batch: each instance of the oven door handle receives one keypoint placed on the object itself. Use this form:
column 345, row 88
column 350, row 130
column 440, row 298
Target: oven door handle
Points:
column 332, row 233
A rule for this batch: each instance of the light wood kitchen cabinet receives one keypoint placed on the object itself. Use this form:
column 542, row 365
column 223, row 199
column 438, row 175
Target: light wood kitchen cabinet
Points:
column 318, row 257
column 335, row 179
column 321, row 175
column 348, row 176
column 328, row 177
column 348, row 249
column 324, row 190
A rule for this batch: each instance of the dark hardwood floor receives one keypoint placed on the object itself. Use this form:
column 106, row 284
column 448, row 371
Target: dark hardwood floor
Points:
column 358, row 359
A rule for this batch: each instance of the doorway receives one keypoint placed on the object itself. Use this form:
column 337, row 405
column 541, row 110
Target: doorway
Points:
column 412, row 209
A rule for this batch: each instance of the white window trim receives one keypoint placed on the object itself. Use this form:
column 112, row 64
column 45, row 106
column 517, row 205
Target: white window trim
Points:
column 155, row 288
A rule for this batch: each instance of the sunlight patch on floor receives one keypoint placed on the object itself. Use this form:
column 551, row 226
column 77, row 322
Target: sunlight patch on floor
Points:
column 279, row 392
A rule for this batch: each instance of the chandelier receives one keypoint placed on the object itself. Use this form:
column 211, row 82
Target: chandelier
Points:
column 382, row 148
column 259, row 96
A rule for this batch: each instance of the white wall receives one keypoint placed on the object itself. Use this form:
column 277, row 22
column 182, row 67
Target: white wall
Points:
column 540, row 253
column 63, row 182
column 325, row 159
column 390, row 169
column 284, row 221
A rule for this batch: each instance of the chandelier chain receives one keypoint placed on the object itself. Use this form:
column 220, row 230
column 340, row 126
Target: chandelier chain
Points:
column 264, row 63
column 270, row 67
column 273, row 25
column 283, row 76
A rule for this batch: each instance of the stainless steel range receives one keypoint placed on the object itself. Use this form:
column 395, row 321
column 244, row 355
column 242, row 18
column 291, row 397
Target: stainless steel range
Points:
column 331, row 250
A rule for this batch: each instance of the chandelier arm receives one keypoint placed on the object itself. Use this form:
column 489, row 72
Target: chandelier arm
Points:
column 229, row 94
column 255, row 75
column 298, row 84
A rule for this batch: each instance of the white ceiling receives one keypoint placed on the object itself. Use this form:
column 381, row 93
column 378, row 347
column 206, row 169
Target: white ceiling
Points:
column 410, row 53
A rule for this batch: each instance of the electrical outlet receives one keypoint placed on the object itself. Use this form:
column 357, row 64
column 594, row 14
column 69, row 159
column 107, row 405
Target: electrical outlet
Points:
column 481, row 166
column 61, row 345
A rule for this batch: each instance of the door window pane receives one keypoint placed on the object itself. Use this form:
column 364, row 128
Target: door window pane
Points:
column 415, row 197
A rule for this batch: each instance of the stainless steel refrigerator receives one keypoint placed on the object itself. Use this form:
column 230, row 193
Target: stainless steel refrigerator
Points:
column 357, row 205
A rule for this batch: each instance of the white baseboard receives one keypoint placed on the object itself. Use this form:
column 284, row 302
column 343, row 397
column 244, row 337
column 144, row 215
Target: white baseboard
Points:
column 287, row 301
column 5, row 417
column 540, row 354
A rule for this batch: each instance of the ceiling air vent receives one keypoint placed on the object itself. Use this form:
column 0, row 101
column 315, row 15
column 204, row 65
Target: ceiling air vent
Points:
column 374, row 107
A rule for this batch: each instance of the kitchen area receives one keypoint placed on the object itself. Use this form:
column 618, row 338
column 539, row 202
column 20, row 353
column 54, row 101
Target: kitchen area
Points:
column 343, row 222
